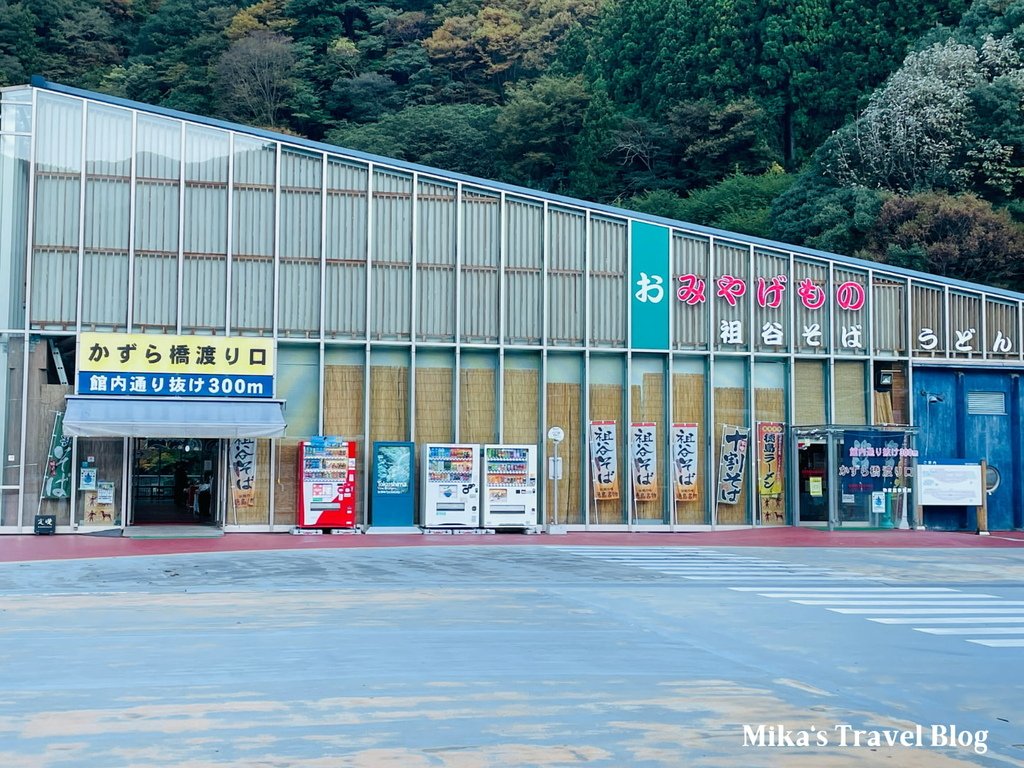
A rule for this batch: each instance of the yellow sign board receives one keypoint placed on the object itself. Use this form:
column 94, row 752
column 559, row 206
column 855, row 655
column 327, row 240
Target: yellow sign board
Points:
column 175, row 366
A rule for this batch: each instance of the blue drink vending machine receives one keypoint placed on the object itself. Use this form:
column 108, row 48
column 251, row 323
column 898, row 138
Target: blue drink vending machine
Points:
column 393, row 493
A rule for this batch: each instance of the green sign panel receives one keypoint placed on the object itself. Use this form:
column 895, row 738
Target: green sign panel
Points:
column 649, row 286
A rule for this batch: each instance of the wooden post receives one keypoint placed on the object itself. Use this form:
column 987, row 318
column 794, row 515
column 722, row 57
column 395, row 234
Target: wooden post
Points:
column 983, row 508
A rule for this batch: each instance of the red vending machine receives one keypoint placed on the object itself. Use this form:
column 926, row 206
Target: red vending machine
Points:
column 327, row 483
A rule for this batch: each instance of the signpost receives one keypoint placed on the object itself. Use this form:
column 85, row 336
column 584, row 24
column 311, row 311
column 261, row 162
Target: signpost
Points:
column 556, row 435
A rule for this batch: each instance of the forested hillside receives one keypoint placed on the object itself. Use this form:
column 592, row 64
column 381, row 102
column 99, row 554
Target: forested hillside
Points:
column 889, row 130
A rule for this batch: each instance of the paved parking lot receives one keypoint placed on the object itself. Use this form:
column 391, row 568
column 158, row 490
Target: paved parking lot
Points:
column 496, row 656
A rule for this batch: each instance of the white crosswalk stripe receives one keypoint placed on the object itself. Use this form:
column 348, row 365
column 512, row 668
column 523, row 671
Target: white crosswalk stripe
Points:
column 974, row 613
column 708, row 565
column 973, row 617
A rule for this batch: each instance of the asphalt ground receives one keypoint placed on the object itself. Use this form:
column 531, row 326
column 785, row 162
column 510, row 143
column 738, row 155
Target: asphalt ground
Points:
column 505, row 651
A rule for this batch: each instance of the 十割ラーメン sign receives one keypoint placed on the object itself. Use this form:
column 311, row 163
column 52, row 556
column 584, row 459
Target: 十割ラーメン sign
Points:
column 175, row 366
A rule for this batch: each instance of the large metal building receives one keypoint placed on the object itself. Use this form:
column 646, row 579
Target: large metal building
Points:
column 702, row 378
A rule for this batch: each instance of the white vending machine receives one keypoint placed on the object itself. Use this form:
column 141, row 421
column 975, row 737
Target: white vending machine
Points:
column 450, row 491
column 510, row 486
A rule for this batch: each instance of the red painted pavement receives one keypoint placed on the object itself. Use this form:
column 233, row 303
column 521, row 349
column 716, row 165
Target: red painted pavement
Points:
column 71, row 546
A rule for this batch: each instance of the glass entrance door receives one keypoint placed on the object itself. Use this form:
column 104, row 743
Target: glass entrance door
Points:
column 174, row 481
column 812, row 464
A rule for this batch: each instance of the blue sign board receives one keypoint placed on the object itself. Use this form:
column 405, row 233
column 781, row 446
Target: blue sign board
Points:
column 650, row 290
column 392, row 502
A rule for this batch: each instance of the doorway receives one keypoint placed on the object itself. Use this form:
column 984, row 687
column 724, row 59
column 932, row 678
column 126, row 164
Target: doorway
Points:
column 812, row 463
column 174, row 481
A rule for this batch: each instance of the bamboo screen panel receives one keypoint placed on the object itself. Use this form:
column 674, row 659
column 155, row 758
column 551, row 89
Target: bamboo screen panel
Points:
column 688, row 408
column 770, row 405
column 647, row 404
column 204, row 260
column 606, row 405
column 883, row 408
column 434, row 405
column 524, row 272
column 965, row 325
column 345, row 276
column 106, row 218
column 1001, row 326
column 564, row 402
column 478, row 410
column 343, row 417
column 567, row 244
column 809, row 392
column 928, row 334
column 851, row 393
column 689, row 313
column 850, row 326
column 522, row 406
column 608, row 282
column 391, row 257
column 436, row 241
column 731, row 261
column 481, row 254
column 771, row 329
column 57, row 212
column 286, row 483
column 810, row 326
column 259, row 512
column 731, row 409
column 389, row 403
column 889, row 309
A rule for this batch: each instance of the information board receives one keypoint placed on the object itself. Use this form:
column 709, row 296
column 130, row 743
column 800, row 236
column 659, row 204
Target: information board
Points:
column 950, row 485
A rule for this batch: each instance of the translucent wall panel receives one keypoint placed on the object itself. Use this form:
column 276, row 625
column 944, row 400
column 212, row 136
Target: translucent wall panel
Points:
column 524, row 275
column 157, row 218
column 608, row 290
column 299, row 268
column 12, row 366
column 770, row 454
column 772, row 329
column 690, row 480
column 298, row 382
column 204, row 260
column 344, row 378
column 391, row 279
column 252, row 262
column 567, row 249
column 731, row 278
column 1002, row 329
column 478, row 397
column 812, row 307
column 928, row 313
column 345, row 277
column 646, row 458
column 58, row 147
column 521, row 398
column 14, row 199
column 435, row 261
column 105, row 264
column 809, row 393
column 564, row 394
column 481, row 256
column 851, row 312
column 434, row 396
column 731, row 417
column 689, row 292
column 889, row 310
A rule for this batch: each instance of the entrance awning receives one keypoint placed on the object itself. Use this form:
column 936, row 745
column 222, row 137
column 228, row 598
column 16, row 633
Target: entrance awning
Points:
column 93, row 416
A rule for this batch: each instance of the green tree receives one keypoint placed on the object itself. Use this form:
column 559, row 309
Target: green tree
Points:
column 454, row 137
column 254, row 78
column 817, row 213
column 958, row 236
